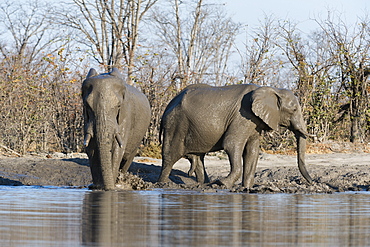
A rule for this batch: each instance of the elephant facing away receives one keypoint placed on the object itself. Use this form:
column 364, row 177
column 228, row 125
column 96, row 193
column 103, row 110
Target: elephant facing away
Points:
column 116, row 117
column 202, row 119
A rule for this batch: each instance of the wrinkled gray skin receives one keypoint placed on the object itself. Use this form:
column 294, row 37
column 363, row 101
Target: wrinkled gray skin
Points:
column 116, row 117
column 201, row 119
column 197, row 167
column 196, row 161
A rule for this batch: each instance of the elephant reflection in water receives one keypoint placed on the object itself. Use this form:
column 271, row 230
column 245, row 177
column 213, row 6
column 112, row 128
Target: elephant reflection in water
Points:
column 109, row 217
column 135, row 219
column 225, row 219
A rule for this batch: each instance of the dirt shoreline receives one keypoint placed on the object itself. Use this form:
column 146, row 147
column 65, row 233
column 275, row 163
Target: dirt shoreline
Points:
column 276, row 173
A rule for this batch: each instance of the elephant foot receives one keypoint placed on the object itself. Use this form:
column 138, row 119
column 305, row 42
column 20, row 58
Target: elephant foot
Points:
column 163, row 180
column 97, row 187
column 94, row 187
column 223, row 182
column 165, row 185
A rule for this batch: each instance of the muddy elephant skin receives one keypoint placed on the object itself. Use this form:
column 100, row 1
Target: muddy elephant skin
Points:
column 201, row 119
column 116, row 117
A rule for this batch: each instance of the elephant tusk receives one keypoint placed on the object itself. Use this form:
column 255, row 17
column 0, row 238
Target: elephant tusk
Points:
column 119, row 140
column 87, row 140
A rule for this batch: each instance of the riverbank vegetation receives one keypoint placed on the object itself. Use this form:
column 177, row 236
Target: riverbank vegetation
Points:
column 162, row 46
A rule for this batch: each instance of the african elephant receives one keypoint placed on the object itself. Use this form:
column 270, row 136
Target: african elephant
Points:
column 116, row 117
column 196, row 161
column 204, row 119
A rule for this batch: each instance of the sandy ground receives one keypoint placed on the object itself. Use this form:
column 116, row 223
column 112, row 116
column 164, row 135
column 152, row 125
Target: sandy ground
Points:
column 336, row 171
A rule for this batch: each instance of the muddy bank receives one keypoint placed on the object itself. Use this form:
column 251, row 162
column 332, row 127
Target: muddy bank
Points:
column 334, row 172
column 45, row 171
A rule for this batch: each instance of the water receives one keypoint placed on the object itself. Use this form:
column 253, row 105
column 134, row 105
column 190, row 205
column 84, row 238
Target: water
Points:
column 36, row 216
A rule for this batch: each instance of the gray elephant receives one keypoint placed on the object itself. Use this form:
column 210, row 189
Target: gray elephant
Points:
column 116, row 117
column 196, row 161
column 203, row 119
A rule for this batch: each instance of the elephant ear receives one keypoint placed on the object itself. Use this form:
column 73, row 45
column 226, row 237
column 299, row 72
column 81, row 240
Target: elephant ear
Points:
column 265, row 105
column 92, row 72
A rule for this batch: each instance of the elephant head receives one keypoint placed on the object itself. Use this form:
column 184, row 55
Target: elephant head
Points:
column 280, row 107
column 103, row 97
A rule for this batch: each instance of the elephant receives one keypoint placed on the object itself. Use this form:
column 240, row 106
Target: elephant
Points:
column 116, row 118
column 203, row 119
column 196, row 161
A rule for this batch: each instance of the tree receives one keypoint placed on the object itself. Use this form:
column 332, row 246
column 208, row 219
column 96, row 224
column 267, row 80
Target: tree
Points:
column 312, row 63
column 27, row 31
column 109, row 28
column 155, row 80
column 260, row 63
column 201, row 42
column 350, row 51
column 39, row 103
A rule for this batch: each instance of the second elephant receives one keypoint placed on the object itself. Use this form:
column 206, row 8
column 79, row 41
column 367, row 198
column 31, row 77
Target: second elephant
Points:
column 202, row 119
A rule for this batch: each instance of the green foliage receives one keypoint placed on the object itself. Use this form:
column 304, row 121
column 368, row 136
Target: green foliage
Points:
column 321, row 111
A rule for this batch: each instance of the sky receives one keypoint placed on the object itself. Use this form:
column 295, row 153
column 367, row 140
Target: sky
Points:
column 249, row 12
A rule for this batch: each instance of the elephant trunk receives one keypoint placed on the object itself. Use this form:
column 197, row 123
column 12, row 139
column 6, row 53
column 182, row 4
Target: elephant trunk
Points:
column 108, row 182
column 104, row 147
column 301, row 151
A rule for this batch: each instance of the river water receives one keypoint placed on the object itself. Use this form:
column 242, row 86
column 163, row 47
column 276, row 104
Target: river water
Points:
column 38, row 216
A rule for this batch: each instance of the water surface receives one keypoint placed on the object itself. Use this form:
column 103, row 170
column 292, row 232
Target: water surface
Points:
column 36, row 216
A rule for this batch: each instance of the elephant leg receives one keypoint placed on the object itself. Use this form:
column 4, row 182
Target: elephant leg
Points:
column 250, row 158
column 126, row 162
column 172, row 150
column 167, row 165
column 193, row 159
column 206, row 178
column 197, row 166
column 95, row 169
column 200, row 171
column 235, row 158
column 169, row 158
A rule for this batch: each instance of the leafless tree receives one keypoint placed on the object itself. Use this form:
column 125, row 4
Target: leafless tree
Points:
column 201, row 41
column 260, row 63
column 109, row 28
column 39, row 103
column 26, row 33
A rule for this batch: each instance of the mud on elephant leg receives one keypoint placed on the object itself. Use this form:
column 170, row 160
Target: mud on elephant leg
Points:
column 250, row 158
column 167, row 163
column 125, row 164
column 197, row 167
column 235, row 157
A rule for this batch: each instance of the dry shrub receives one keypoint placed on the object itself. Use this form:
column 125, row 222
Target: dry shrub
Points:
column 151, row 150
